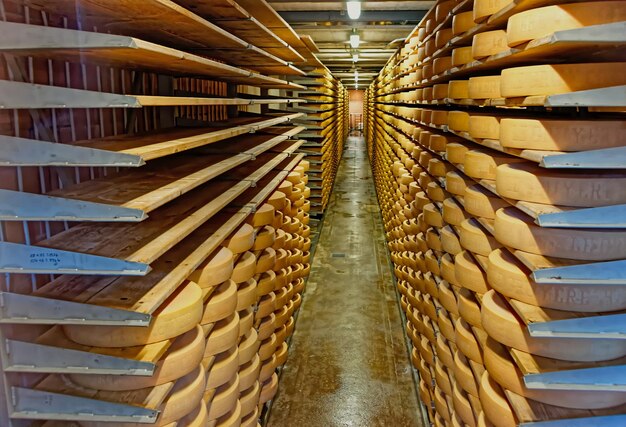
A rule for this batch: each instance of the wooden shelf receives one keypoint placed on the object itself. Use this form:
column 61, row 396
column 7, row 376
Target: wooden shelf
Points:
column 131, row 150
column 167, row 23
column 17, row 95
column 233, row 18
column 124, row 52
column 130, row 195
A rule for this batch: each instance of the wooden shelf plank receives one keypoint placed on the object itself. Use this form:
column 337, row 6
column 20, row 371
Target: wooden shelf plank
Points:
column 230, row 16
column 131, row 150
column 121, row 51
column 18, row 95
column 146, row 294
column 167, row 23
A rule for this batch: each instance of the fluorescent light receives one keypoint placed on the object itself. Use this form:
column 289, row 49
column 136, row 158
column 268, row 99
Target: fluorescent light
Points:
column 356, row 85
column 354, row 9
column 355, row 57
column 355, row 40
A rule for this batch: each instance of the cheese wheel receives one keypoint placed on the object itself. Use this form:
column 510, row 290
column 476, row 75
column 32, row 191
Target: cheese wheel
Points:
column 432, row 216
column 442, row 64
column 246, row 321
column 441, row 406
column 180, row 359
column 455, row 154
column 199, row 417
column 463, row 374
column 560, row 78
column 264, row 215
column 265, row 237
column 447, row 270
column 456, row 183
column 484, row 127
column 179, row 313
column 453, row 212
column 450, row 241
column 266, row 282
column 482, row 163
column 268, row 347
column 489, row 43
column 225, row 399
column 277, row 200
column 543, row 21
column 266, row 326
column 241, row 240
column 281, row 354
column 444, row 353
column 462, row 22
column 462, row 405
column 462, row 56
column 224, row 367
column 246, row 294
column 249, row 373
column 561, row 135
column 485, row 8
column 560, row 188
column 440, row 91
column 505, row 372
column 476, row 239
column 503, row 326
column 469, row 274
column 269, row 389
column 517, row 230
column 445, row 324
column 265, row 260
column 223, row 336
column 249, row 399
column 245, row 268
column 438, row 117
column 216, row 269
column 469, row 310
column 495, row 405
column 512, row 279
column 221, row 303
column 248, row 346
column 458, row 121
column 458, row 89
column 467, row 342
column 480, row 202
column 267, row 368
column 251, row 419
column 485, row 87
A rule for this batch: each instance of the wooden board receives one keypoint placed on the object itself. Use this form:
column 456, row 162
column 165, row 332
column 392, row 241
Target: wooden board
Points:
column 121, row 51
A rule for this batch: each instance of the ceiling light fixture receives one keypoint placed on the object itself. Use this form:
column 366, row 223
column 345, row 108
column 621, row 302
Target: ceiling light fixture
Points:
column 354, row 9
column 355, row 40
column 355, row 57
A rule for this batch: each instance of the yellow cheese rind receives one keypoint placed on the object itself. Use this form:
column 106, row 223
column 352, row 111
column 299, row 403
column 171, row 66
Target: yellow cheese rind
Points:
column 462, row 56
column 485, row 87
column 458, row 89
column 462, row 22
column 484, row 127
column 534, row 184
column 560, row 78
column 215, row 270
column 180, row 313
column 543, row 21
column 489, row 43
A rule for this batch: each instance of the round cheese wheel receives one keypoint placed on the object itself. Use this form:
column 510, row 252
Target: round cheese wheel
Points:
column 263, row 216
column 246, row 294
column 450, row 241
column 544, row 80
column 517, row 230
column 290, row 326
column 512, row 279
column 479, row 201
column 223, row 336
column 269, row 389
column 560, row 134
column 462, row 22
column 441, row 406
column 278, row 200
column 462, row 405
column 441, row 378
column 469, row 274
column 463, row 374
column 439, row 168
column 495, row 405
column 249, row 373
column 467, row 342
column 458, row 89
column 484, row 87
column 458, row 121
column 246, row 321
column 476, row 239
column 455, row 154
column 462, row 56
column 502, row 325
column 456, row 183
column 489, row 43
column 453, row 212
column 265, row 260
column 544, row 21
column 447, row 270
column 505, row 372
column 482, row 163
column 179, row 313
column 469, row 309
column 266, row 282
column 221, row 303
column 199, row 417
column 241, row 240
column 445, row 324
column 265, row 238
column 432, row 216
column 249, row 399
column 560, row 188
column 484, row 126
column 184, row 354
column 248, row 346
column 444, row 353
column 225, row 399
column 485, row 8
column 268, row 347
column 432, row 240
column 216, row 269
column 281, row 354
column 266, row 305
column 224, row 367
column 251, row 420
column 266, row 326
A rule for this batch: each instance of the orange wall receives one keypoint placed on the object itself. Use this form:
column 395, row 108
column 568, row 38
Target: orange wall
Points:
column 356, row 102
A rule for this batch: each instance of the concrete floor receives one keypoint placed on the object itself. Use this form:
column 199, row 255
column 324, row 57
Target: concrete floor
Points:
column 348, row 363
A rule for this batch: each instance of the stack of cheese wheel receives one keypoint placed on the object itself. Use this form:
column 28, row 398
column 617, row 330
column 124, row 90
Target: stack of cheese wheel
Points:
column 455, row 190
column 327, row 131
column 178, row 379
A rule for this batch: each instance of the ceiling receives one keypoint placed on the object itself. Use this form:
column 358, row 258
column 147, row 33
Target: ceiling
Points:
column 328, row 24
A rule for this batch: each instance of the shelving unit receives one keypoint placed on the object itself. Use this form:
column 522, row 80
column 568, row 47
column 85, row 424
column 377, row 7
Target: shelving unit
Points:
column 507, row 278
column 155, row 199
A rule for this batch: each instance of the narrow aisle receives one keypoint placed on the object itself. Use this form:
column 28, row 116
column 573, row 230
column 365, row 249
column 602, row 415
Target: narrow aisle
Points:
column 348, row 363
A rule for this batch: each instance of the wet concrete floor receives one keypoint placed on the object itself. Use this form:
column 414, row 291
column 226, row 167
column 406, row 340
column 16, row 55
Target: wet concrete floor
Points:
column 348, row 364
